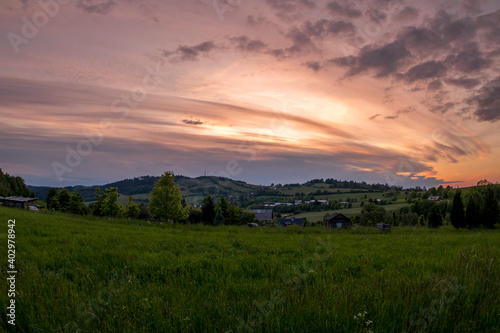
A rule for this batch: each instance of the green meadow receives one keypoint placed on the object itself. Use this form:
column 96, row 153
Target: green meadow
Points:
column 87, row 274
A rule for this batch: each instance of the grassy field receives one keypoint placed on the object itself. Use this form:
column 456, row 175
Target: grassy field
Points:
column 100, row 275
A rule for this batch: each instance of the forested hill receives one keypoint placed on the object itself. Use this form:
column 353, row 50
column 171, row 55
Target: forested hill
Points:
column 199, row 186
column 127, row 186
column 193, row 189
column 14, row 186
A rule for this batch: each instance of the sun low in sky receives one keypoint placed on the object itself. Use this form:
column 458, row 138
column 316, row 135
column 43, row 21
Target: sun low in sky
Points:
column 282, row 91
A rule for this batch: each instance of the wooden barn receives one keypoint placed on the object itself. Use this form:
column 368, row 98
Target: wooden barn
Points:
column 18, row 202
column 338, row 221
column 263, row 214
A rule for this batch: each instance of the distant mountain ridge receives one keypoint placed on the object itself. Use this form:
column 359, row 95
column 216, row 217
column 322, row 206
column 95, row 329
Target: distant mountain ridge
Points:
column 199, row 186
column 194, row 189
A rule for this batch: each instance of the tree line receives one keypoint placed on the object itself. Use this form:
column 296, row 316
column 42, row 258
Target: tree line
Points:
column 11, row 186
column 477, row 207
column 166, row 204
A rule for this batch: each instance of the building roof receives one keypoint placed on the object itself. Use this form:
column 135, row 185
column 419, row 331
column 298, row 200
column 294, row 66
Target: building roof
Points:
column 336, row 216
column 263, row 214
column 293, row 221
column 20, row 199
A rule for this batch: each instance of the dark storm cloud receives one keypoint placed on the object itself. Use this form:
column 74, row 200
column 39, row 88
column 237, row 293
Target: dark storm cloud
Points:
column 96, row 6
column 488, row 102
column 469, row 60
column 435, row 85
column 303, row 36
column 192, row 121
column 301, row 41
column 191, row 53
column 245, row 44
column 427, row 70
column 337, row 9
column 421, row 41
column 314, row 65
column 488, row 23
column 384, row 60
column 324, row 27
column 400, row 112
column 442, row 108
column 289, row 10
column 467, row 83
column 451, row 30
column 407, row 14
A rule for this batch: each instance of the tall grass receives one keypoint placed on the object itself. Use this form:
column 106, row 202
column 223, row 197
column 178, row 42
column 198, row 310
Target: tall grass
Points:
column 101, row 275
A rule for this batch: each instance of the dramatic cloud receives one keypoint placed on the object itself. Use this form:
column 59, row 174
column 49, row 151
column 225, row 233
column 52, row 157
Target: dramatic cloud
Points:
column 245, row 44
column 467, row 83
column 323, row 28
column 469, row 60
column 386, row 91
column 337, row 9
column 442, row 108
column 384, row 60
column 103, row 7
column 314, row 65
column 427, row 70
column 408, row 14
column 489, row 102
column 435, row 85
column 191, row 53
column 400, row 112
column 192, row 121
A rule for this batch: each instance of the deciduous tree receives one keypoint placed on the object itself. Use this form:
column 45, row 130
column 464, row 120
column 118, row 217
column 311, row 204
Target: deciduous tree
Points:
column 166, row 200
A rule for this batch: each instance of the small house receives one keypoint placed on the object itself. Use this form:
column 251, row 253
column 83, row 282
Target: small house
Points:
column 435, row 198
column 289, row 222
column 338, row 221
column 18, row 202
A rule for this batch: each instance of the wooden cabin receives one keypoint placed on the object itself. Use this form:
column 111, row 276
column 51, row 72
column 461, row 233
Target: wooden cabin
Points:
column 338, row 221
column 18, row 202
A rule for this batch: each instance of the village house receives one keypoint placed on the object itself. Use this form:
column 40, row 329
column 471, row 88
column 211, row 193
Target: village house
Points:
column 435, row 198
column 338, row 221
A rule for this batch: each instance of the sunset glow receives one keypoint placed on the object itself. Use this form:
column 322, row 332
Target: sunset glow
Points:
column 398, row 92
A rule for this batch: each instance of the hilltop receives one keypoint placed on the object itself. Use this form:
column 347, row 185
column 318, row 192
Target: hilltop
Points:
column 194, row 189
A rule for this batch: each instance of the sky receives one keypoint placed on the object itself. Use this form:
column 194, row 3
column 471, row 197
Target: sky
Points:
column 265, row 91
